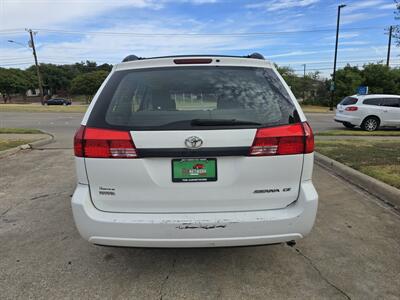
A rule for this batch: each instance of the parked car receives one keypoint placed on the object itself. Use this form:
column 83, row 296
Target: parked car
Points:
column 369, row 111
column 194, row 151
column 57, row 101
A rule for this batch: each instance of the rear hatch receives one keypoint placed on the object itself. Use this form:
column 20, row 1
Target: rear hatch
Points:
column 193, row 139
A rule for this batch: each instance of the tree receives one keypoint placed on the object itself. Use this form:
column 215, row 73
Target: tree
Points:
column 291, row 79
column 15, row 81
column 55, row 78
column 380, row 79
column 310, row 88
column 90, row 66
column 87, row 84
column 347, row 80
column 104, row 67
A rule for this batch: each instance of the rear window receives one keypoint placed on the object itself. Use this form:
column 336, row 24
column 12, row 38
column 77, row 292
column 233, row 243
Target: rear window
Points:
column 185, row 98
column 348, row 101
column 372, row 101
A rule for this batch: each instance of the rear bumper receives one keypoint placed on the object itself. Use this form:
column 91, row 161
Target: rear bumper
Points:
column 195, row 229
column 354, row 120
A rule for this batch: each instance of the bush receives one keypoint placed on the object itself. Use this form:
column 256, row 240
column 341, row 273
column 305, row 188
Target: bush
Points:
column 87, row 84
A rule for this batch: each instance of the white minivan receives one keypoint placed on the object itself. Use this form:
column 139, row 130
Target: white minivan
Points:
column 369, row 111
column 194, row 151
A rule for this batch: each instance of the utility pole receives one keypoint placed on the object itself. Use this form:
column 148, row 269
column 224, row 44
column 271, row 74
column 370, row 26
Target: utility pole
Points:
column 389, row 46
column 304, row 82
column 32, row 45
column 335, row 59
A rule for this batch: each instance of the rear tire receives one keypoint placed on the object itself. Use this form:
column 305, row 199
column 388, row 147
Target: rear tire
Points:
column 370, row 124
column 348, row 125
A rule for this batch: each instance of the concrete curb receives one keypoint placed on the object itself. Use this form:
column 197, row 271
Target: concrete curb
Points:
column 31, row 145
column 379, row 189
column 42, row 142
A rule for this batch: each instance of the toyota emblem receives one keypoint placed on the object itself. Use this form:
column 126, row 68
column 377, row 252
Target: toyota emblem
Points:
column 193, row 142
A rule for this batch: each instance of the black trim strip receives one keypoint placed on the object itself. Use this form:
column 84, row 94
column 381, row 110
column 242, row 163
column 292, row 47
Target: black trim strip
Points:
column 182, row 152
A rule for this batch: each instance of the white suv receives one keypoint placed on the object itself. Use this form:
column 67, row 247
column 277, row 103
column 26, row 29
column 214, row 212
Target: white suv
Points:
column 194, row 151
column 369, row 111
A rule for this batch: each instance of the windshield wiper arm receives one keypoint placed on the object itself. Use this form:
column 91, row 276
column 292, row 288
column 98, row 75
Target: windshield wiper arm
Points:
column 221, row 122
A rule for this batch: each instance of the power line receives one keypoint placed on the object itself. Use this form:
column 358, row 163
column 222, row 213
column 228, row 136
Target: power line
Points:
column 342, row 64
column 14, row 59
column 324, row 69
column 287, row 63
column 70, row 63
column 48, row 30
column 328, row 62
column 16, row 64
column 282, row 62
column 8, row 32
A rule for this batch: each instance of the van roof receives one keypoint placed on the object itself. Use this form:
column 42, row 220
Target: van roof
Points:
column 168, row 61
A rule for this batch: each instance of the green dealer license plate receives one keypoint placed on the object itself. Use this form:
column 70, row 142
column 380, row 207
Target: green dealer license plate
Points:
column 194, row 170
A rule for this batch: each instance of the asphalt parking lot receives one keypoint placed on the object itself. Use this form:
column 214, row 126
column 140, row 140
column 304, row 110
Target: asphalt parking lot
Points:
column 353, row 251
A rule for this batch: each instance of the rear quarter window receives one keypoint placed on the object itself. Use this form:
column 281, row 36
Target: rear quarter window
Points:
column 348, row 101
column 170, row 98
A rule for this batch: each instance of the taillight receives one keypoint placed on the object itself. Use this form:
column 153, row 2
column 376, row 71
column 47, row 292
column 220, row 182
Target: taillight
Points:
column 283, row 140
column 103, row 143
column 78, row 141
column 351, row 108
column 309, row 138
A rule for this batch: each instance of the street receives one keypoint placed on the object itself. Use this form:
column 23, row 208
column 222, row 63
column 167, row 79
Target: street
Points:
column 62, row 125
column 352, row 252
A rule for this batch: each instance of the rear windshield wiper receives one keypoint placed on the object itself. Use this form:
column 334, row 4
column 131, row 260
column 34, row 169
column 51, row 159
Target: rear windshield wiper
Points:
column 221, row 122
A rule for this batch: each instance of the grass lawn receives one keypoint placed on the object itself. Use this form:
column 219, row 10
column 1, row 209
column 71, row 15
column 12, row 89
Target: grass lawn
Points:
column 13, row 137
column 19, row 130
column 41, row 108
column 8, row 144
column 379, row 159
column 315, row 109
column 360, row 132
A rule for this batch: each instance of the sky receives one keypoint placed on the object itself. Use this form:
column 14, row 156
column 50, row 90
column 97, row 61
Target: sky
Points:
column 287, row 32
